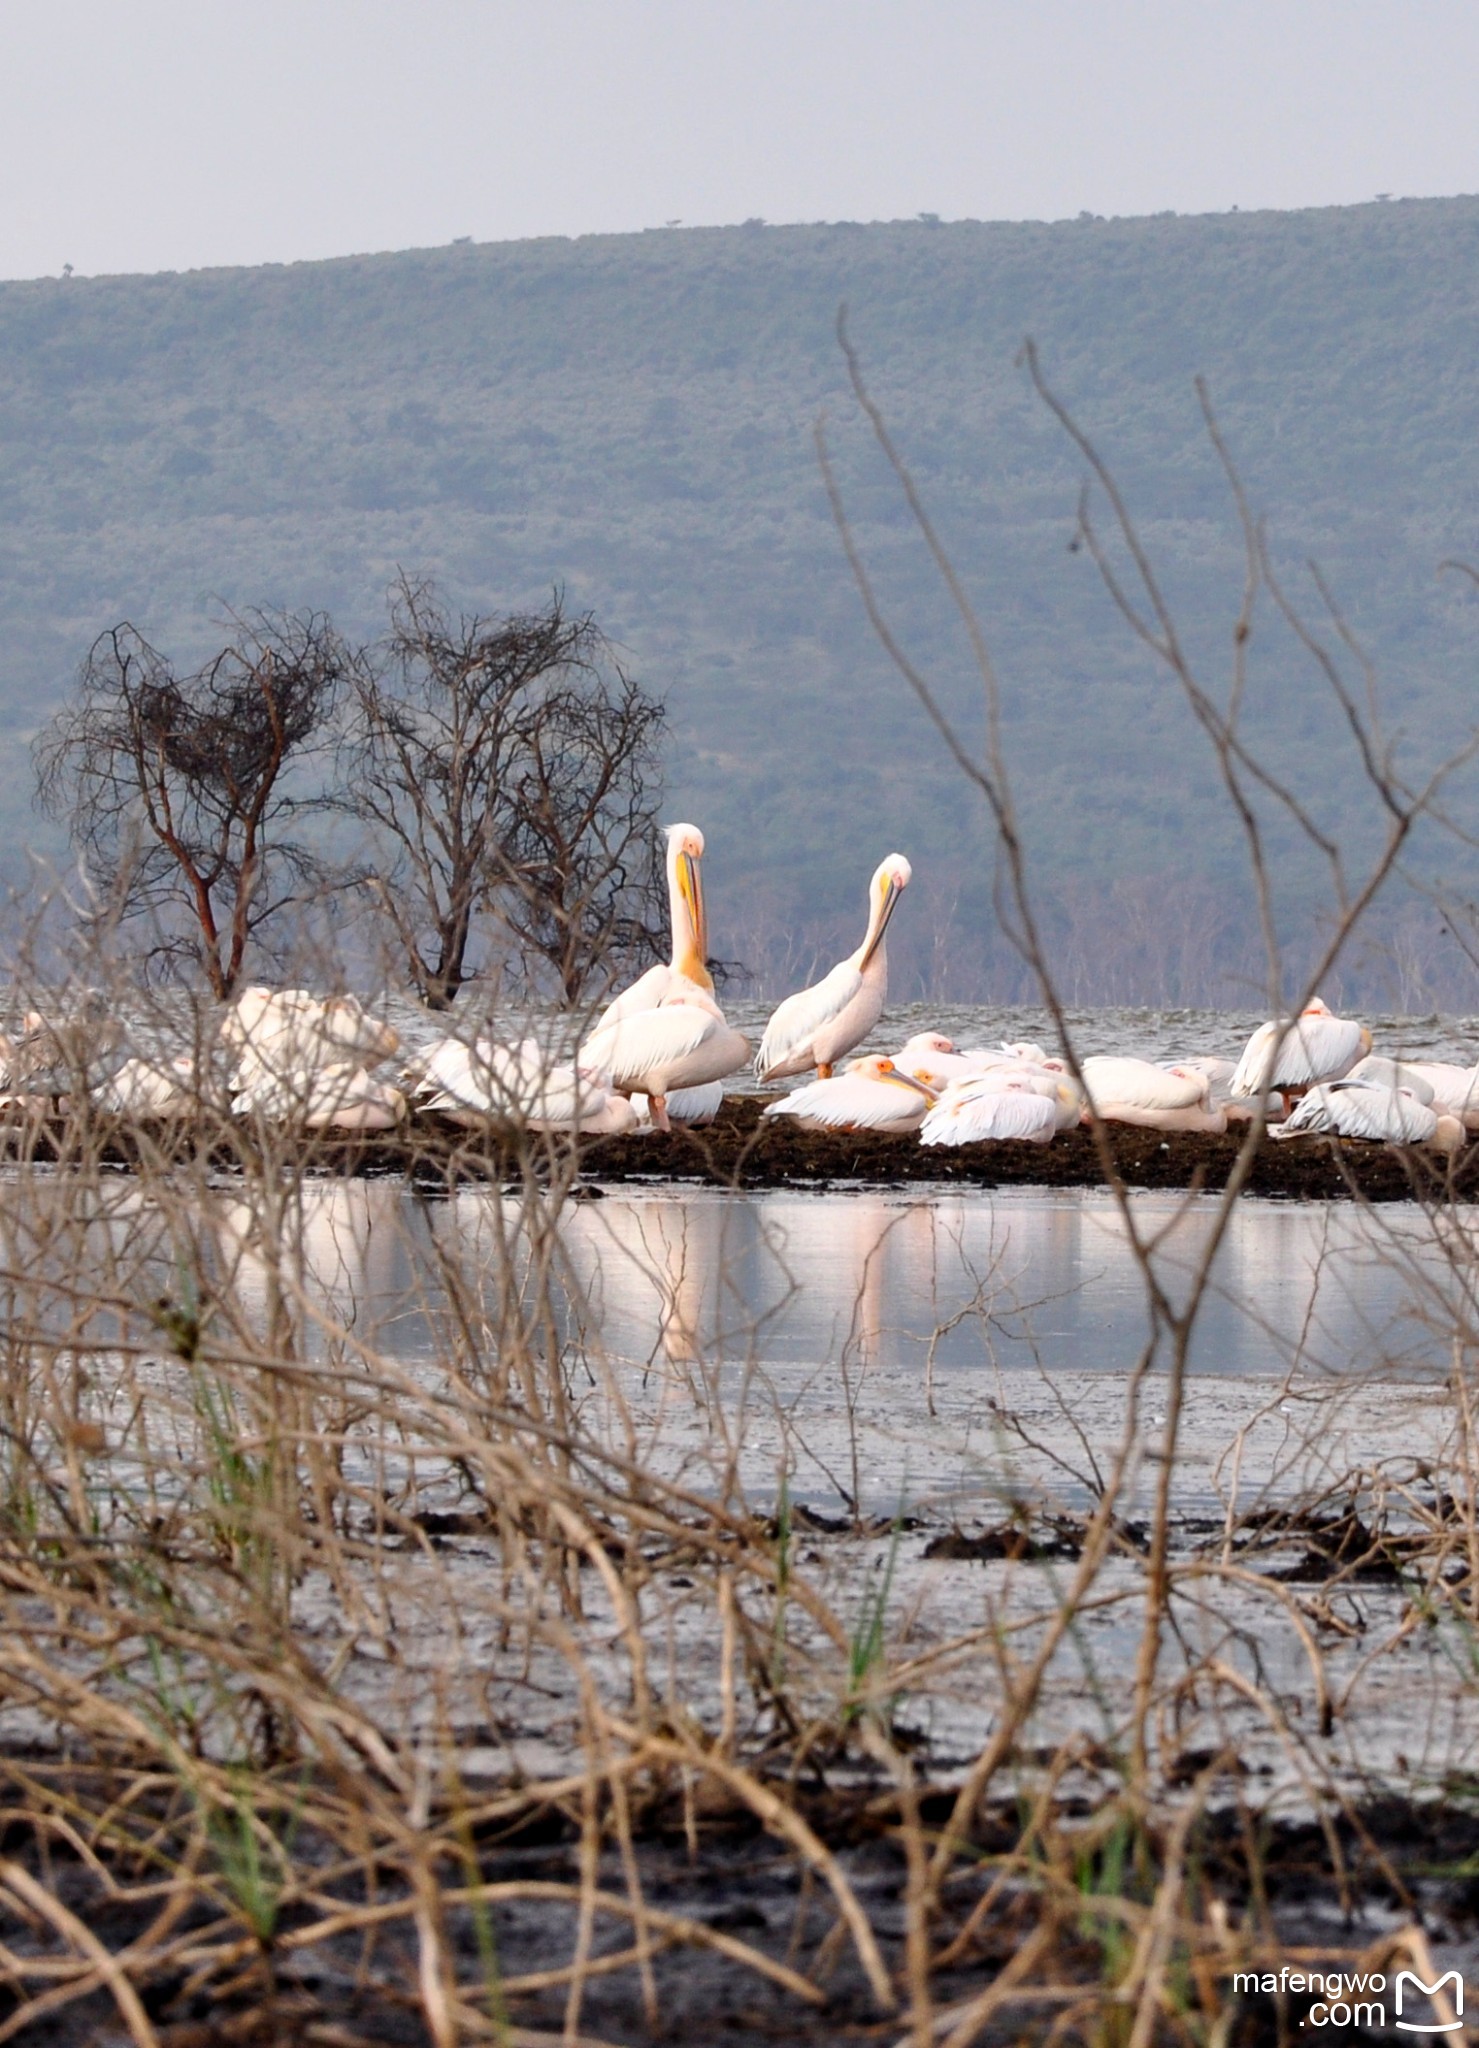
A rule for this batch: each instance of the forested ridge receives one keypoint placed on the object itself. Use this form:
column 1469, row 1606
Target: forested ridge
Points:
column 632, row 417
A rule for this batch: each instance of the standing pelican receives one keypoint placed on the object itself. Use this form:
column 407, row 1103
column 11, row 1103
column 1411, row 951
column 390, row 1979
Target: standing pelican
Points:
column 1288, row 1055
column 683, row 1043
column 687, row 967
column 823, row 1023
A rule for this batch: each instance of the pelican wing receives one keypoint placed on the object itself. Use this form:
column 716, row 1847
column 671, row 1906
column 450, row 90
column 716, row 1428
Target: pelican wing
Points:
column 1356, row 1109
column 140, row 1088
column 647, row 1042
column 857, row 1102
column 1310, row 1049
column 695, row 1105
column 1456, row 1086
column 786, row 1046
column 969, row 1114
column 1141, row 1084
column 645, row 993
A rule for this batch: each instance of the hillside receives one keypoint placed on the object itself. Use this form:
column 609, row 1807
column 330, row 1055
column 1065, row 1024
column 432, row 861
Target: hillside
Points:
column 633, row 416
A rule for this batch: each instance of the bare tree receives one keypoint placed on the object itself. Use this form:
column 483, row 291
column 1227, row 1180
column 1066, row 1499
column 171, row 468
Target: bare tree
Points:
column 508, row 765
column 182, row 791
column 583, row 882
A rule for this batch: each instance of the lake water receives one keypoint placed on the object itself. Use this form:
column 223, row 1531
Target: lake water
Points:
column 956, row 1279
column 1152, row 1034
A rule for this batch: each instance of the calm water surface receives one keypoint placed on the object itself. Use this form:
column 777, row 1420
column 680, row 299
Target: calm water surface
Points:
column 970, row 1278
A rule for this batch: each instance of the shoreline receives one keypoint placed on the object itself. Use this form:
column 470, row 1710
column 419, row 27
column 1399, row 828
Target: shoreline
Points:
column 743, row 1150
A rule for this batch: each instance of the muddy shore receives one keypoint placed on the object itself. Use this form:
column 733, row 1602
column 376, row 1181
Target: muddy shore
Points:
column 742, row 1149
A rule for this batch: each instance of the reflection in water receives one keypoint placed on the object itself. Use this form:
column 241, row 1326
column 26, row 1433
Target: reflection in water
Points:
column 699, row 1277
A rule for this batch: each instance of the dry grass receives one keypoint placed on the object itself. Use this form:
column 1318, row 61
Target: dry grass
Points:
column 383, row 1660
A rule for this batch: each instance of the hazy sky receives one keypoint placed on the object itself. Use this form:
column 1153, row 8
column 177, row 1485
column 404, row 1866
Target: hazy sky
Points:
column 166, row 134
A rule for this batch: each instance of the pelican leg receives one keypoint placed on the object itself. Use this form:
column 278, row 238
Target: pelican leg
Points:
column 824, row 1070
column 658, row 1105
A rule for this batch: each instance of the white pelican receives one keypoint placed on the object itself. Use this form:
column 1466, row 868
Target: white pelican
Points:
column 1218, row 1073
column 1049, row 1082
column 687, row 969
column 986, row 1107
column 147, row 1088
column 508, row 1086
column 931, row 1056
column 1454, row 1087
column 71, row 1040
column 486, row 1078
column 686, row 1106
column 1288, row 1055
column 683, row 1043
column 872, row 1095
column 1377, row 1071
column 285, row 1031
column 1358, row 1109
column 820, row 1025
column 340, row 1097
column 258, row 1008
column 1131, row 1091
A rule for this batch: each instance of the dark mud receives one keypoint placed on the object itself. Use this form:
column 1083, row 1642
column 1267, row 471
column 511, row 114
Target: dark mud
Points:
column 1324, row 1891
column 742, row 1149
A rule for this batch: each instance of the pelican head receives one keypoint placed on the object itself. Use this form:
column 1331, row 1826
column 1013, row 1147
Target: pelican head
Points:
column 685, row 891
column 929, row 1041
column 890, row 878
column 876, row 1068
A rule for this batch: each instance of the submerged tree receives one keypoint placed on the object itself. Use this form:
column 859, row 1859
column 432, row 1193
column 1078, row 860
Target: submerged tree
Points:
column 510, row 766
column 181, row 791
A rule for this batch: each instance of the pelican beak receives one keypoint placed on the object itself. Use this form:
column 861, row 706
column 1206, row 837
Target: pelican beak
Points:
column 691, row 889
column 886, row 910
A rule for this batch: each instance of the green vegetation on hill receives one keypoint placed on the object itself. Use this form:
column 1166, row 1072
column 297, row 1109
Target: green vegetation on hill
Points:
column 632, row 417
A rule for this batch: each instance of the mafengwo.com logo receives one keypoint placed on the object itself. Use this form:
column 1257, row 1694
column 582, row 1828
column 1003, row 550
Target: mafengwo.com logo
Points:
column 1361, row 1998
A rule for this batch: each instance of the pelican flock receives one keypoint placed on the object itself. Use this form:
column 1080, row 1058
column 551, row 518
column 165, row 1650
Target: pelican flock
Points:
column 662, row 1050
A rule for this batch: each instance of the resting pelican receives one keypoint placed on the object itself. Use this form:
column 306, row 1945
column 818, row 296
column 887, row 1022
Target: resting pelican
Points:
column 686, row 970
column 145, row 1088
column 1359, row 1109
column 820, row 1025
column 683, row 1043
column 69, row 1040
column 1286, row 1056
column 1454, row 1087
column 1130, row 1091
column 507, row 1086
column 1377, row 1071
column 986, row 1107
column 286, row 1031
column 339, row 1097
column 931, row 1056
column 871, row 1096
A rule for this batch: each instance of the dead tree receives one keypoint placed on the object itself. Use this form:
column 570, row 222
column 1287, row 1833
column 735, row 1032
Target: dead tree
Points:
column 582, row 884
column 184, row 792
column 507, row 766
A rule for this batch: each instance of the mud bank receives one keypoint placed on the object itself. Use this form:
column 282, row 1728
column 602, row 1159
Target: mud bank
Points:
column 743, row 1149
column 724, row 1906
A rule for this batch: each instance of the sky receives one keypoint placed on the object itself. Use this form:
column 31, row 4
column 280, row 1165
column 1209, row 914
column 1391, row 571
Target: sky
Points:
column 144, row 135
